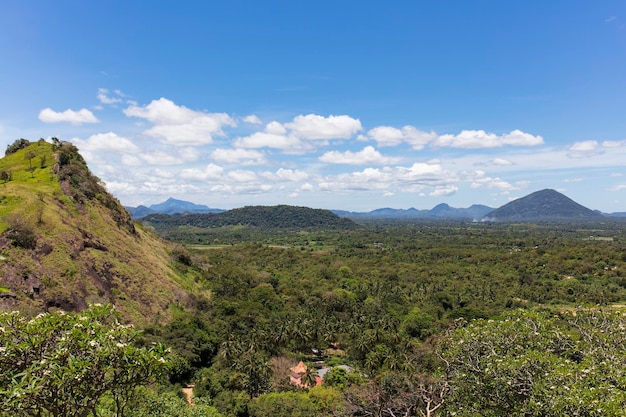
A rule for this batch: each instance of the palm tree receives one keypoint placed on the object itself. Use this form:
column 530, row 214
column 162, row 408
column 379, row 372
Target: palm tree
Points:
column 308, row 378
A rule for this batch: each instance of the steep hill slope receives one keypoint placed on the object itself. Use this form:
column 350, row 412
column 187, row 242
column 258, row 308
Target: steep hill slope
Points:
column 65, row 242
column 543, row 205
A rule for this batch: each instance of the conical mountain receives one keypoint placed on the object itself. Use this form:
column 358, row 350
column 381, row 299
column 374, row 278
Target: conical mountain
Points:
column 66, row 242
column 542, row 205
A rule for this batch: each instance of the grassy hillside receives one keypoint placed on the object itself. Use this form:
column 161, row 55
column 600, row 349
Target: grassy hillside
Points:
column 65, row 242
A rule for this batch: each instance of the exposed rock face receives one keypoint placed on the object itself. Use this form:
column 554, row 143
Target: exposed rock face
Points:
column 82, row 246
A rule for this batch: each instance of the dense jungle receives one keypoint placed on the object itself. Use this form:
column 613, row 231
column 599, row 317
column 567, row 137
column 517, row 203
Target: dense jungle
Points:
column 427, row 318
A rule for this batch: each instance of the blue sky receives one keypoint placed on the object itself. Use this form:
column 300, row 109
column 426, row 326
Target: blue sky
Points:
column 343, row 105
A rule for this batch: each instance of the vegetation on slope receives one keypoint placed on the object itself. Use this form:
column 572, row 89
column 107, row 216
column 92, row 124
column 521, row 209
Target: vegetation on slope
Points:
column 65, row 242
column 543, row 205
column 262, row 217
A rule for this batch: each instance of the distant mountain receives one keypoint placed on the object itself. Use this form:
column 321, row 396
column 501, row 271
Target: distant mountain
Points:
column 441, row 211
column 171, row 206
column 617, row 214
column 542, row 205
column 272, row 217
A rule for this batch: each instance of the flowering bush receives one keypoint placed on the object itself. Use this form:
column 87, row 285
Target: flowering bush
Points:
column 62, row 364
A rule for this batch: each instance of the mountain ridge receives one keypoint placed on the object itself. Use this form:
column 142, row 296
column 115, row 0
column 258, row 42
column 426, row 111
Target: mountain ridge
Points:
column 440, row 211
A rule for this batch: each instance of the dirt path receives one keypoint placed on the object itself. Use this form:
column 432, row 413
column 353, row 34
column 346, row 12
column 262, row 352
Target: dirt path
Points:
column 188, row 392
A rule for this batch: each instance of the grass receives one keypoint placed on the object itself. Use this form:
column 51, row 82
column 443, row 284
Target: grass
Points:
column 92, row 259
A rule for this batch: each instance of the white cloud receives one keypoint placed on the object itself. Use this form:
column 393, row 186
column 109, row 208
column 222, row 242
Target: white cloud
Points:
column 178, row 125
column 268, row 140
column 391, row 136
column 444, row 191
column 420, row 171
column 285, row 175
column 162, row 174
column 245, row 188
column 614, row 143
column 386, row 135
column 79, row 117
column 238, row 156
column 619, row 187
column 105, row 98
column 209, row 172
column 166, row 157
column 275, row 128
column 313, row 126
column 106, row 142
column 584, row 149
column 501, row 162
column 252, row 119
column 368, row 155
column 480, row 180
column 189, row 154
column 398, row 179
column 131, row 161
column 295, row 137
column 241, row 175
column 519, row 138
column 477, row 139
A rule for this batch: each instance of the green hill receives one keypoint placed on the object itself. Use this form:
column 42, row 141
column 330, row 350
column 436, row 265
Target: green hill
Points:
column 266, row 217
column 66, row 242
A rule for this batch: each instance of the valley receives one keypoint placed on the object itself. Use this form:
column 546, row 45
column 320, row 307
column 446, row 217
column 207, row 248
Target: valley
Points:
column 282, row 310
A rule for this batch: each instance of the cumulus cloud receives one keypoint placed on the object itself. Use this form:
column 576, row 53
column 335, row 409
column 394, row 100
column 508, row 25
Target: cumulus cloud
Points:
column 481, row 180
column 268, row 140
column 209, row 172
column 283, row 174
column 477, row 139
column 238, row 156
column 313, row 126
column 299, row 135
column 368, row 155
column 76, row 118
column 584, row 149
column 252, row 119
column 179, row 125
column 412, row 179
column 391, row 136
column 241, row 175
column 106, row 142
